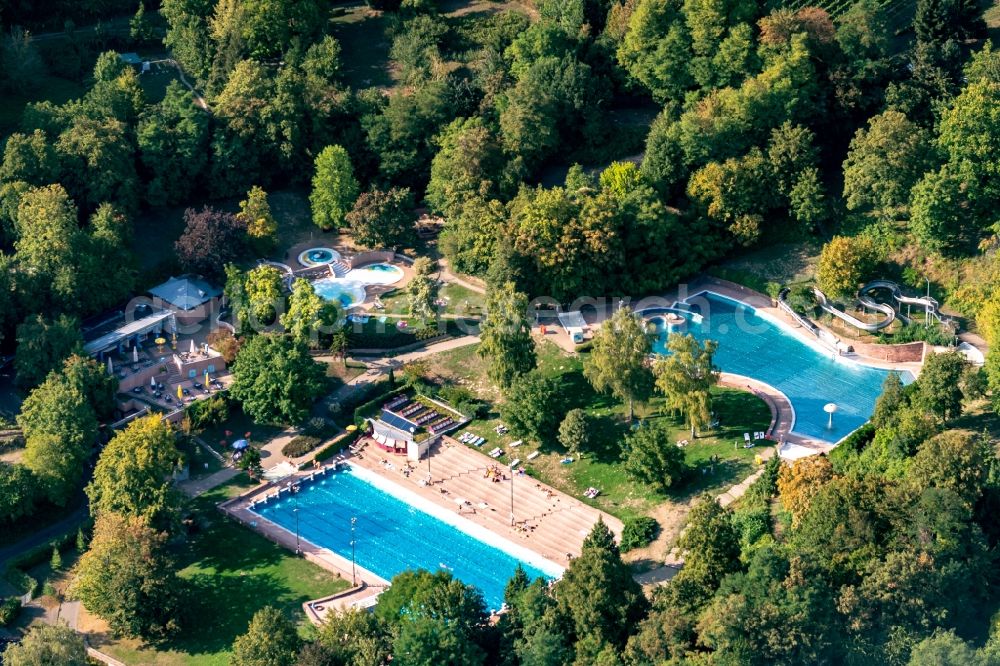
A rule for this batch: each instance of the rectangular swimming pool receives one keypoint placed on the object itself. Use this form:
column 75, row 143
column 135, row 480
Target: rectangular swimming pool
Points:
column 756, row 347
column 396, row 531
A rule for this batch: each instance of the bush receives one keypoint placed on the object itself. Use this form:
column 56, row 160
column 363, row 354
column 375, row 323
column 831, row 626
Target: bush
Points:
column 299, row 446
column 801, row 298
column 209, row 412
column 426, row 333
column 638, row 532
column 10, row 608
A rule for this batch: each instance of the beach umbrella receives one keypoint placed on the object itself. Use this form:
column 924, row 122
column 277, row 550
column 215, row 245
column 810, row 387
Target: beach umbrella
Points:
column 241, row 444
column 152, row 382
column 111, row 367
column 135, row 353
column 207, row 378
column 351, row 428
column 180, row 393
column 192, row 345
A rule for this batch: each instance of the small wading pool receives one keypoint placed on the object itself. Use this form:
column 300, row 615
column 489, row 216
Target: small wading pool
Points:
column 396, row 530
column 318, row 256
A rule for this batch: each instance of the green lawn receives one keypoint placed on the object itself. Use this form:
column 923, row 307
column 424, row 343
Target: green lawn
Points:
column 233, row 572
column 50, row 88
column 239, row 424
column 738, row 412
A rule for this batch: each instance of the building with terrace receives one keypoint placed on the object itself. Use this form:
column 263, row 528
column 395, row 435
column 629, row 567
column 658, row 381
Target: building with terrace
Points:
column 409, row 424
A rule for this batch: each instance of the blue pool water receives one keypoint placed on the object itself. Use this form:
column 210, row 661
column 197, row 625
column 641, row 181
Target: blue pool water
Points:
column 341, row 291
column 758, row 348
column 390, row 535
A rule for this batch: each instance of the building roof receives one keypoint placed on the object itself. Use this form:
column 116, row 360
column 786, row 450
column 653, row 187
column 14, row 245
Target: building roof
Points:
column 390, row 432
column 572, row 320
column 137, row 327
column 185, row 293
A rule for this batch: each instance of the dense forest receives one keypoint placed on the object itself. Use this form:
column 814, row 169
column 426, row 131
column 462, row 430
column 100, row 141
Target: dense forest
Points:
column 683, row 132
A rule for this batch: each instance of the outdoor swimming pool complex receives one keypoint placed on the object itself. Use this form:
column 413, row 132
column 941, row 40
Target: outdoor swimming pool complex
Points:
column 763, row 349
column 396, row 531
column 349, row 290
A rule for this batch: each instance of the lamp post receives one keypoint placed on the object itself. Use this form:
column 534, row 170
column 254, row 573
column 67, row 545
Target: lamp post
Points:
column 830, row 408
column 354, row 575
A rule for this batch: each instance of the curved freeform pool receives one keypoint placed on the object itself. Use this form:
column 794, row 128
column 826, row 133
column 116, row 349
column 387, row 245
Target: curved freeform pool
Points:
column 339, row 290
column 349, row 290
column 759, row 347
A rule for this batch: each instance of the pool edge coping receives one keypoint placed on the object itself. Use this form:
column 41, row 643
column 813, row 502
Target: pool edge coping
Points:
column 784, row 327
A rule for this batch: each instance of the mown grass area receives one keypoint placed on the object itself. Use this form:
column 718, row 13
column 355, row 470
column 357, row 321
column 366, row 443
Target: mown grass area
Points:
column 600, row 467
column 344, row 372
column 241, row 426
column 48, row 88
column 233, row 572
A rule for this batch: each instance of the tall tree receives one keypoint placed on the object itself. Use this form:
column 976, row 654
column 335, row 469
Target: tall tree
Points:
column 211, row 239
column 128, row 578
column 334, row 188
column 383, row 219
column 42, row 346
column 686, row 376
column 48, row 242
column 60, row 429
column 134, row 474
column 575, row 431
column 470, row 163
column 264, row 295
column 598, row 596
column 844, row 263
column 533, row 406
column 939, row 389
column 885, row 161
column 276, row 379
column 651, row 457
column 173, row 146
column 255, row 213
column 309, row 315
column 270, row 640
column 47, row 645
column 505, row 335
column 617, row 360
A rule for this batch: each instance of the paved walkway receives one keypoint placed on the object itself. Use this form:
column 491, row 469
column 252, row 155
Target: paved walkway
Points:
column 196, row 487
column 381, row 366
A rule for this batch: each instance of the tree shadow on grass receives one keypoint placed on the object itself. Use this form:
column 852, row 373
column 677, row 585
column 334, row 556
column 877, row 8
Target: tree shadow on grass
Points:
column 224, row 546
column 219, row 609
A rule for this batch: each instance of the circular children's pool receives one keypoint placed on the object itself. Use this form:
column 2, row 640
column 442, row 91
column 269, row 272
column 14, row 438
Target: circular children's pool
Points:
column 345, row 292
column 318, row 256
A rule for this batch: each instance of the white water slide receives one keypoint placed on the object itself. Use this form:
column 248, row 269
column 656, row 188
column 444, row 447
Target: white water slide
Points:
column 887, row 310
column 929, row 304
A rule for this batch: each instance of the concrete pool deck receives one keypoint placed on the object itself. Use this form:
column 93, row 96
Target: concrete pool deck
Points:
column 547, row 522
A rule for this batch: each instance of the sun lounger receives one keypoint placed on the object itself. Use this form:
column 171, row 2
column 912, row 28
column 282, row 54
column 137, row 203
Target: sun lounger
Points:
column 515, row 462
column 516, row 444
column 496, row 453
column 567, row 460
column 480, row 441
column 534, row 454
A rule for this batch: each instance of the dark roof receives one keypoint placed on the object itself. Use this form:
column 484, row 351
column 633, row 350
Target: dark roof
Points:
column 185, row 292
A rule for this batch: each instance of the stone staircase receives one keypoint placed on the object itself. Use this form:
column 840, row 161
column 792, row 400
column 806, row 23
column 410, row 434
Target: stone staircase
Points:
column 339, row 268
